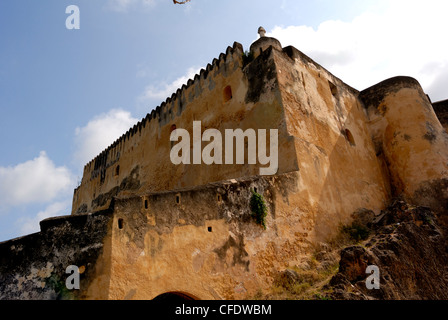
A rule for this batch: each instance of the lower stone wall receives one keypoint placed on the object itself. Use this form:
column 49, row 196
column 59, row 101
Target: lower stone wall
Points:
column 202, row 242
column 34, row 267
column 205, row 242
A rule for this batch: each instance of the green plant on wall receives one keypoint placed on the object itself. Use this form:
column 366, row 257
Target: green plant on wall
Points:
column 258, row 208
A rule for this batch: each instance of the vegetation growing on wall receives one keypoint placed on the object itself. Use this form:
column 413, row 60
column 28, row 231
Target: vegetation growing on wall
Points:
column 258, row 208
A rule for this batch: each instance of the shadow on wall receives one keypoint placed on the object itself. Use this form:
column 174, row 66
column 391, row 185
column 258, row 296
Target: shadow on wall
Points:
column 339, row 169
column 399, row 119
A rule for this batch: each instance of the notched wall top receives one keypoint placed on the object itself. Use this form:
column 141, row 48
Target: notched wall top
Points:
column 159, row 112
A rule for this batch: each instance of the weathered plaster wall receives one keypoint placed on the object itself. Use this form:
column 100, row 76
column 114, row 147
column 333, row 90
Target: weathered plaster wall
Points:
column 414, row 143
column 281, row 89
column 34, row 267
column 166, row 246
column 338, row 168
column 202, row 241
column 143, row 153
column 208, row 245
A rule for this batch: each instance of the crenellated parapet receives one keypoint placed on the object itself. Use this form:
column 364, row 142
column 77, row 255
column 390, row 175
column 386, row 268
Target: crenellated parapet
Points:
column 162, row 113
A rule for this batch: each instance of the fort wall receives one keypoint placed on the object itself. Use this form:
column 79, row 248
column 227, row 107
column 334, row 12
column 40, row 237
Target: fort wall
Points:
column 139, row 161
column 201, row 241
column 159, row 228
column 322, row 128
column 204, row 241
column 339, row 170
column 414, row 143
column 34, row 267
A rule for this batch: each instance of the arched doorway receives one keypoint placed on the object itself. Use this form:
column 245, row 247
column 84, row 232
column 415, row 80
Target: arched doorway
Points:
column 174, row 297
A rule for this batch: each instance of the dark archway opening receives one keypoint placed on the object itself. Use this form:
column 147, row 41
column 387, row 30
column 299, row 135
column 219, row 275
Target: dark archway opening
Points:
column 174, row 297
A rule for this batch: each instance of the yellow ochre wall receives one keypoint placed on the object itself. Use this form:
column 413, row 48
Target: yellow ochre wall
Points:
column 143, row 154
column 188, row 229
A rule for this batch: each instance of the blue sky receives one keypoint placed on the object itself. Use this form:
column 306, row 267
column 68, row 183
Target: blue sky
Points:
column 65, row 95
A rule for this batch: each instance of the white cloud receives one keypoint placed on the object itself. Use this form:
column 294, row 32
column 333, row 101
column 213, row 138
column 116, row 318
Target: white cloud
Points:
column 124, row 5
column 34, row 181
column 164, row 90
column 31, row 225
column 100, row 133
column 407, row 38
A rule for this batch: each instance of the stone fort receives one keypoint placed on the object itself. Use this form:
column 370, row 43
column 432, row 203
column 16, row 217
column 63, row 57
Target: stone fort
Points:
column 141, row 227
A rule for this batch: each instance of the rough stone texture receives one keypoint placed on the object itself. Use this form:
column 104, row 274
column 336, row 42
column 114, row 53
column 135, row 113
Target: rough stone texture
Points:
column 409, row 135
column 254, row 104
column 319, row 110
column 34, row 267
column 410, row 249
column 205, row 241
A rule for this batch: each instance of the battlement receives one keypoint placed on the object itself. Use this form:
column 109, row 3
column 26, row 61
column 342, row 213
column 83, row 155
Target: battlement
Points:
column 164, row 110
column 279, row 88
column 141, row 155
